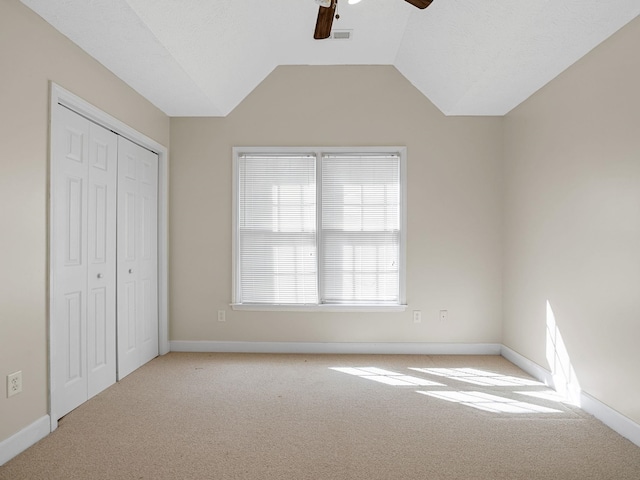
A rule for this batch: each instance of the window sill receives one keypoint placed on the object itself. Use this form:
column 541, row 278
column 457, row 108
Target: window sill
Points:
column 318, row 308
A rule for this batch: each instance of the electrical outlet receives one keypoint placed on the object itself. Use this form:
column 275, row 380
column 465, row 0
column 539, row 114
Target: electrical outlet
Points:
column 14, row 383
column 221, row 316
column 417, row 316
column 444, row 315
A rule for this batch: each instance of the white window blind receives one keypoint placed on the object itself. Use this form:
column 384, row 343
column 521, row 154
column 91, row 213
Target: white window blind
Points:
column 319, row 230
column 360, row 229
column 277, row 229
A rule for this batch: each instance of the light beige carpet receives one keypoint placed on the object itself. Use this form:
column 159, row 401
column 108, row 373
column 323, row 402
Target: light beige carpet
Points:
column 235, row 416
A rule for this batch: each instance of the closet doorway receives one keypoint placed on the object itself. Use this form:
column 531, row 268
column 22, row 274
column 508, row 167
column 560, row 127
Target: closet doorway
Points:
column 107, row 244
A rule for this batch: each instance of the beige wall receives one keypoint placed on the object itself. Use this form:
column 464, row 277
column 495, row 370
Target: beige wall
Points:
column 454, row 207
column 572, row 221
column 31, row 54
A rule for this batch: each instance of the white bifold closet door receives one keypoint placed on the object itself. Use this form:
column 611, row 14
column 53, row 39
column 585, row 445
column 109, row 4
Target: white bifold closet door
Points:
column 104, row 293
column 137, row 256
column 83, row 323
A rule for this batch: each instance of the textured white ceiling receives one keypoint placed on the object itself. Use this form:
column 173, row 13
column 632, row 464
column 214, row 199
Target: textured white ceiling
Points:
column 469, row 57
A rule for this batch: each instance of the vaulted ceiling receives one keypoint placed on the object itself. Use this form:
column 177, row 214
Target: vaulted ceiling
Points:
column 469, row 57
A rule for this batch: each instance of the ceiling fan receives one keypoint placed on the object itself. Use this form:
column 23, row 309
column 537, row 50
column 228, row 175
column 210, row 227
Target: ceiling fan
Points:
column 327, row 12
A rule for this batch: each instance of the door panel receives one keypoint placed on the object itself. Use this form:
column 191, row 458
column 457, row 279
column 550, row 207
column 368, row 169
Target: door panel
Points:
column 128, row 351
column 83, row 170
column 148, row 255
column 99, row 352
column 101, row 240
column 129, row 224
column 73, row 331
column 128, row 321
column 73, row 220
column 137, row 259
column 70, row 144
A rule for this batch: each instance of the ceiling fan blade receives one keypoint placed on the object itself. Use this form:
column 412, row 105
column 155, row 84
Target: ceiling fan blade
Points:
column 420, row 3
column 325, row 20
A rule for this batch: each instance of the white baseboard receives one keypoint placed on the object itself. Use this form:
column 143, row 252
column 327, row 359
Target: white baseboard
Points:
column 532, row 368
column 611, row 418
column 607, row 415
column 338, row 348
column 22, row 440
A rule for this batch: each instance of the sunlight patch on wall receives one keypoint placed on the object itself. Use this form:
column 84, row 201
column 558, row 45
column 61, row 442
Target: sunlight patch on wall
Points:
column 565, row 380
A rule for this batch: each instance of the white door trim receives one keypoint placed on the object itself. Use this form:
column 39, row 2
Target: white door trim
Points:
column 59, row 95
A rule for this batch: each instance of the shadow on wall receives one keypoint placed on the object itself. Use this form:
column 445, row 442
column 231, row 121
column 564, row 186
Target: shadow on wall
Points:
column 565, row 381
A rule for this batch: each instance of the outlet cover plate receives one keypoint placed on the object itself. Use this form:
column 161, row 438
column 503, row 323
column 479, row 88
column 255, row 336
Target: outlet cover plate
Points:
column 14, row 383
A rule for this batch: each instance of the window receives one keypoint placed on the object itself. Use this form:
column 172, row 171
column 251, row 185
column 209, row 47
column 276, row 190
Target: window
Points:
column 319, row 229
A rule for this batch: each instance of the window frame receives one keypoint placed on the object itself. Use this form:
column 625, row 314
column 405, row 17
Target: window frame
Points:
column 318, row 153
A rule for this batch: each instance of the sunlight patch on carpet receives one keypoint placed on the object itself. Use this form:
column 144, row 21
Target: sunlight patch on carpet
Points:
column 480, row 400
column 490, row 403
column 478, row 377
column 387, row 377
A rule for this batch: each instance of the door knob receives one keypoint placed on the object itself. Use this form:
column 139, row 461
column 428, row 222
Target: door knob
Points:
column 131, row 270
column 99, row 275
